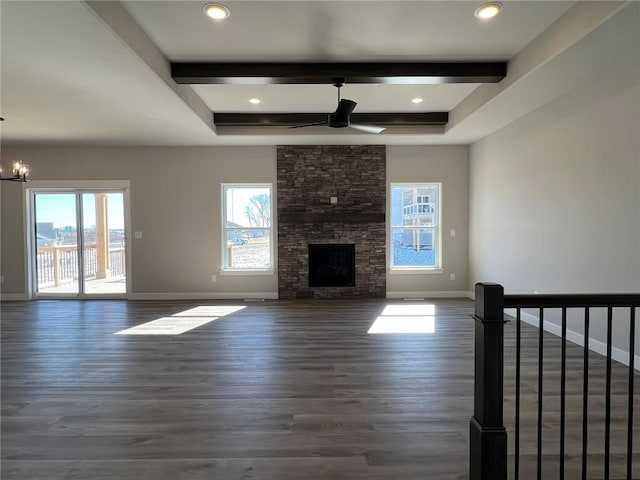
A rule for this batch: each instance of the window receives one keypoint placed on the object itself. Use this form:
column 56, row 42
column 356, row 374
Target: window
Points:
column 246, row 227
column 415, row 226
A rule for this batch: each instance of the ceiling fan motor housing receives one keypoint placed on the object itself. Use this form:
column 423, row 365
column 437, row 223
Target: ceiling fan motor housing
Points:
column 340, row 118
column 338, row 121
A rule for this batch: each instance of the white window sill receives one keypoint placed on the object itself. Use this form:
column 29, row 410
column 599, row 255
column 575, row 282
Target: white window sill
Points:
column 415, row 271
column 247, row 271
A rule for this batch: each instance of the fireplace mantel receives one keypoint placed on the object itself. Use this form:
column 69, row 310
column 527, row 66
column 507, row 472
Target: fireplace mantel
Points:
column 328, row 217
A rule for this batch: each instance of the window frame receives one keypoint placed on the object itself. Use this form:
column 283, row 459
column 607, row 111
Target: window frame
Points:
column 224, row 268
column 436, row 228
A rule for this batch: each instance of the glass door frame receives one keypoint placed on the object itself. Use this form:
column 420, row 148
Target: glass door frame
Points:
column 76, row 188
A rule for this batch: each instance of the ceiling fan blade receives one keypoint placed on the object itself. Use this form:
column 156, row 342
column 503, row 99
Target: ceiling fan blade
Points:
column 309, row 124
column 367, row 128
column 345, row 107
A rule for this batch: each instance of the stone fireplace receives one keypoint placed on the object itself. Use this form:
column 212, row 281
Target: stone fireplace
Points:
column 331, row 195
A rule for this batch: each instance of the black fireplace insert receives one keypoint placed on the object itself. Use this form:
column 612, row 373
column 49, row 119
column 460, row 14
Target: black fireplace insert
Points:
column 332, row 265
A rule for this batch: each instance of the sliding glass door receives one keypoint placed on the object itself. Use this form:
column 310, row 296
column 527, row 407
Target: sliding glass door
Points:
column 103, row 243
column 79, row 245
column 56, row 243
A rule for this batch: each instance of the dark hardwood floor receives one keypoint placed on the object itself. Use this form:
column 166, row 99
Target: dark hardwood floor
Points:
column 278, row 390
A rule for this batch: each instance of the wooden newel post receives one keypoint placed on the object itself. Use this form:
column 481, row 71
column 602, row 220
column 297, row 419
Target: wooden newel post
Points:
column 488, row 436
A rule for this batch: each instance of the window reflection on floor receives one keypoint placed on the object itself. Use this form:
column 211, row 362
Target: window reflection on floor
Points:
column 403, row 318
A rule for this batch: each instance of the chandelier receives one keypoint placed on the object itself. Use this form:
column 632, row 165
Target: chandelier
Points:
column 20, row 172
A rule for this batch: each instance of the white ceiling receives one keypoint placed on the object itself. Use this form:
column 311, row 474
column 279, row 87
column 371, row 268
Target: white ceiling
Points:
column 323, row 98
column 342, row 30
column 75, row 72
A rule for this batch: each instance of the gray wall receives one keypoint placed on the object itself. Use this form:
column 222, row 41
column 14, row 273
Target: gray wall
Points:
column 555, row 198
column 11, row 236
column 175, row 202
column 449, row 165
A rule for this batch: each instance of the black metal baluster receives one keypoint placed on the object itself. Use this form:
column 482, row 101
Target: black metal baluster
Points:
column 585, row 394
column 632, row 358
column 607, row 421
column 564, row 302
column 540, row 365
column 563, row 380
column 517, row 458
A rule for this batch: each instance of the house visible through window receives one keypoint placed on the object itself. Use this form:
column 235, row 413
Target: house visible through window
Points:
column 246, row 227
column 415, row 226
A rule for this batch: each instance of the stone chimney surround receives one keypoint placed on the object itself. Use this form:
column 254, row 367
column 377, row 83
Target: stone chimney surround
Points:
column 331, row 194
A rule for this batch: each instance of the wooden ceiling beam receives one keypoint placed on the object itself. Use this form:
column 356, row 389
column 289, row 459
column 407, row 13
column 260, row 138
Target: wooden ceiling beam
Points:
column 292, row 119
column 326, row 73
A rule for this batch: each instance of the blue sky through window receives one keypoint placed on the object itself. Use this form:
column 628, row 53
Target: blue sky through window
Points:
column 60, row 209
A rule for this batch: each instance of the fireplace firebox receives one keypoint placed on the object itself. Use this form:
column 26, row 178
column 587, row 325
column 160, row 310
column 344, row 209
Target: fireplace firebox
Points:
column 332, row 265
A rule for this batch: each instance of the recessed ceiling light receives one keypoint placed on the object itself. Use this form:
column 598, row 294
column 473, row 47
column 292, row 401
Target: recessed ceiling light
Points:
column 255, row 101
column 417, row 100
column 217, row 11
column 488, row 10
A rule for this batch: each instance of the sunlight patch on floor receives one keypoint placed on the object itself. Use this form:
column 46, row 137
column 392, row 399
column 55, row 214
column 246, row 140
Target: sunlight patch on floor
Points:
column 167, row 326
column 418, row 318
column 182, row 322
column 210, row 311
column 409, row 310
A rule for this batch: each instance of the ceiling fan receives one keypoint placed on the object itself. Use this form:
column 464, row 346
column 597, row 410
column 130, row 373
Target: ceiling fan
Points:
column 341, row 118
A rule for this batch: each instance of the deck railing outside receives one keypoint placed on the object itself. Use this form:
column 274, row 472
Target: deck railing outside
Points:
column 58, row 264
column 488, row 435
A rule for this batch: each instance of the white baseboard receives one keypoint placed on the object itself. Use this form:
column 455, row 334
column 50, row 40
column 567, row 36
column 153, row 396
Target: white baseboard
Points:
column 444, row 294
column 203, row 296
column 13, row 297
column 597, row 346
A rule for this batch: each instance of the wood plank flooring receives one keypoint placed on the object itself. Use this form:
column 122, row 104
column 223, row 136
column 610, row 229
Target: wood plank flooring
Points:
column 278, row 390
